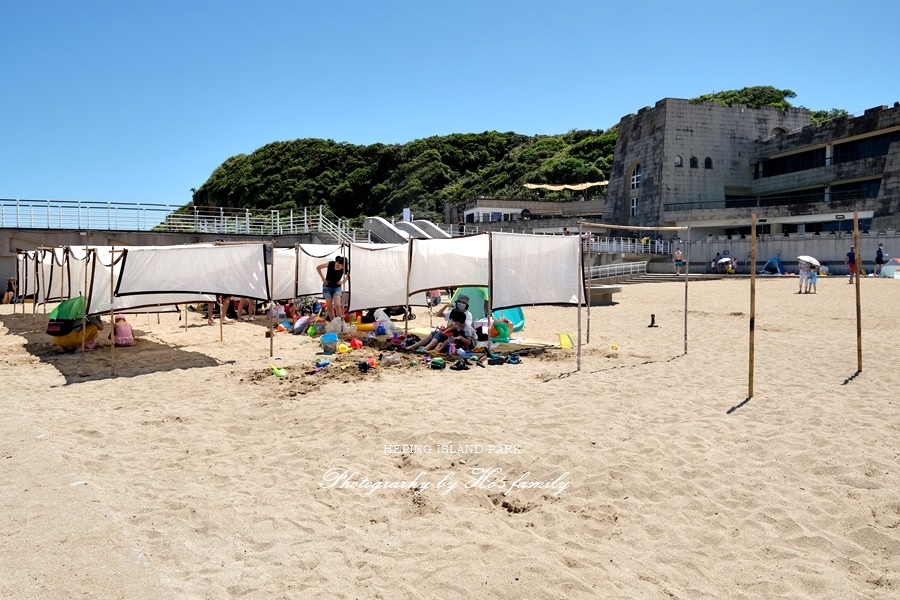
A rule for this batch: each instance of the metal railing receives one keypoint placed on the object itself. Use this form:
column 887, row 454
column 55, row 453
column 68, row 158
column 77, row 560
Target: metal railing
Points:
column 631, row 246
column 120, row 216
column 617, row 270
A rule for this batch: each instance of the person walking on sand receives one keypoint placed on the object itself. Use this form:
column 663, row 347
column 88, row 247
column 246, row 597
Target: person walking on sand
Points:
column 879, row 260
column 678, row 259
column 850, row 261
column 813, row 278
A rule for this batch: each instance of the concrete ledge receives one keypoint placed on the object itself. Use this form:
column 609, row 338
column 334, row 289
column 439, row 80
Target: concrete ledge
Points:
column 602, row 295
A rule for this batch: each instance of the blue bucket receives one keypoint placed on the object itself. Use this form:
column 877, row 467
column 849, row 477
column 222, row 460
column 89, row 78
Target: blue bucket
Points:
column 329, row 343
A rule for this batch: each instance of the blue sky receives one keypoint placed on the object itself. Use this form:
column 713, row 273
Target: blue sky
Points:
column 141, row 101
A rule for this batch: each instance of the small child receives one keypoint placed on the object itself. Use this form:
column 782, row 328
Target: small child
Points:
column 124, row 334
column 459, row 333
column 811, row 280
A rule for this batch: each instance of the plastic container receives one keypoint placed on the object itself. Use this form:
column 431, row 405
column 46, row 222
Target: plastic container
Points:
column 329, row 343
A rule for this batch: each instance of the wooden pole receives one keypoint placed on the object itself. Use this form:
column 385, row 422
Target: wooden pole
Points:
column 580, row 279
column 409, row 254
column 752, row 302
column 86, row 297
column 112, row 314
column 687, row 270
column 590, row 276
column 856, row 252
column 273, row 315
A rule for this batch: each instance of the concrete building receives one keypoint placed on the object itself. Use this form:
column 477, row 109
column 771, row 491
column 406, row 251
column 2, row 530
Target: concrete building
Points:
column 710, row 167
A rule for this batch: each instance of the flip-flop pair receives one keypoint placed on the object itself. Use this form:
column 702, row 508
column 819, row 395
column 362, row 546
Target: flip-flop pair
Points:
column 460, row 365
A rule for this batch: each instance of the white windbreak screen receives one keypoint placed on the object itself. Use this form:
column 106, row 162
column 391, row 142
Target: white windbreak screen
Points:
column 534, row 269
column 311, row 256
column 284, row 273
column 228, row 270
column 378, row 276
column 100, row 269
column 456, row 262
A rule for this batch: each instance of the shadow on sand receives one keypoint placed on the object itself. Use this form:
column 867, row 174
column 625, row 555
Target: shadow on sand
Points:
column 146, row 356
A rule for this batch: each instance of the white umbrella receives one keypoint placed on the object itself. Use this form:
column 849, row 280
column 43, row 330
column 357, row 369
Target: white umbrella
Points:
column 724, row 260
column 809, row 259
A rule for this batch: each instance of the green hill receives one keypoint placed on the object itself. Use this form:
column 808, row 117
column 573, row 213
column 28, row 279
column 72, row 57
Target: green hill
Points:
column 380, row 180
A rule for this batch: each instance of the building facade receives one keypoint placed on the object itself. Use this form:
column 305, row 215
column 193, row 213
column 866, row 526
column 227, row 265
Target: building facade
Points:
column 710, row 167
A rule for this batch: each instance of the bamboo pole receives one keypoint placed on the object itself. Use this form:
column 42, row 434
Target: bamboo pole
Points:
column 409, row 254
column 580, row 295
column 589, row 292
column 750, row 365
column 112, row 314
column 858, row 256
column 687, row 271
column 273, row 314
column 86, row 298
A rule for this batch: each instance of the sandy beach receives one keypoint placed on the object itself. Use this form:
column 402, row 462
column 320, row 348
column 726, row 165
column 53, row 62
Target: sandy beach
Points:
column 196, row 473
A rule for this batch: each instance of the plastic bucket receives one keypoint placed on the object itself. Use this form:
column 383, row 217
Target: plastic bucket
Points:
column 329, row 343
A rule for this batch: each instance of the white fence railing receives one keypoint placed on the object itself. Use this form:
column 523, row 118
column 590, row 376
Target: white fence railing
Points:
column 118, row 216
column 617, row 270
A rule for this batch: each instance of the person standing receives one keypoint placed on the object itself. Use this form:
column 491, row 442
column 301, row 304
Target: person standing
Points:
column 804, row 277
column 678, row 259
column 335, row 276
column 879, row 260
column 850, row 261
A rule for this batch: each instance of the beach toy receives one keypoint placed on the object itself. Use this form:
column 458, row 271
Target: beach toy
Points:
column 372, row 361
column 365, row 326
column 356, row 344
column 329, row 343
column 343, row 348
column 566, row 340
column 380, row 329
column 323, row 363
column 277, row 372
column 500, row 332
column 615, row 346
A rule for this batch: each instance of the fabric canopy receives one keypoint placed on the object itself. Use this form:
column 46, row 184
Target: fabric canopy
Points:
column 378, row 275
column 454, row 262
column 534, row 269
column 557, row 188
column 233, row 270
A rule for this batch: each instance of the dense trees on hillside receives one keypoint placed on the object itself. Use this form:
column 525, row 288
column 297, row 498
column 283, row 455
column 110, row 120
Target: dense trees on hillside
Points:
column 424, row 174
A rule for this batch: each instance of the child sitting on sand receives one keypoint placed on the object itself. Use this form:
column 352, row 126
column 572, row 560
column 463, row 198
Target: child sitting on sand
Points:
column 458, row 335
column 123, row 333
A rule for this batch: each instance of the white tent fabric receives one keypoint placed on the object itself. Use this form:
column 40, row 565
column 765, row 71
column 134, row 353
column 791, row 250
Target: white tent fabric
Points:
column 234, row 270
column 454, row 262
column 378, row 275
column 559, row 187
column 534, row 269
column 284, row 273
column 101, row 263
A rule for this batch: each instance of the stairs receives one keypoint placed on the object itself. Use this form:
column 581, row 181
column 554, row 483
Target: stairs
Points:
column 667, row 277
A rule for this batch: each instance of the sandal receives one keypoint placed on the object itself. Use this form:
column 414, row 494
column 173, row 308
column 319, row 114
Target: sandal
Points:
column 514, row 359
column 497, row 360
column 460, row 365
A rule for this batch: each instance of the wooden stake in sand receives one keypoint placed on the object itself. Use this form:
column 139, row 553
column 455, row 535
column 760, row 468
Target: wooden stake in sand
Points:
column 580, row 295
column 752, row 302
column 589, row 278
column 270, row 252
column 112, row 313
column 856, row 253
column 687, row 271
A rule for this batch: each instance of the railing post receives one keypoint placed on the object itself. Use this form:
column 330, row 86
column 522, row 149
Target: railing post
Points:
column 79, row 214
column 320, row 218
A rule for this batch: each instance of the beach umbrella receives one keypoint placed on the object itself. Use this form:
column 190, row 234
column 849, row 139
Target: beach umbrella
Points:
column 810, row 260
column 69, row 310
column 724, row 260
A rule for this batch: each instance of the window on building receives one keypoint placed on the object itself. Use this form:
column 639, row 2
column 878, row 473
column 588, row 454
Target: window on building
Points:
column 707, row 163
column 678, row 160
column 633, row 207
column 693, row 162
column 485, row 217
column 636, row 177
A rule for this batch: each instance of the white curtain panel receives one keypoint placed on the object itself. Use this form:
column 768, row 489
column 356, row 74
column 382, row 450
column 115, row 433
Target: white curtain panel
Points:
column 534, row 269
column 454, row 262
